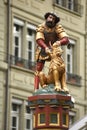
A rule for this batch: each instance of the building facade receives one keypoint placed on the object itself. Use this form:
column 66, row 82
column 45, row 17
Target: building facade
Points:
column 18, row 22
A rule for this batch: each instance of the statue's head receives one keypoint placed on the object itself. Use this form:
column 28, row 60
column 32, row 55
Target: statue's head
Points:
column 51, row 19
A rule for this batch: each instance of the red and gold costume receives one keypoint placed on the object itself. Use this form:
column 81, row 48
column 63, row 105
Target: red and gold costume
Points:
column 45, row 37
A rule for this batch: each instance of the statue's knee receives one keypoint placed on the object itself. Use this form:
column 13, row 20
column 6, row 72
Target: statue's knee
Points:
column 41, row 73
column 39, row 66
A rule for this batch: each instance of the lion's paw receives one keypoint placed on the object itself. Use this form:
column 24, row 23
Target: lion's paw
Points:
column 66, row 89
column 57, row 88
column 45, row 85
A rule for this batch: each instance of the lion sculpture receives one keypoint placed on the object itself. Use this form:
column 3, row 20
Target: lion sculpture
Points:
column 56, row 74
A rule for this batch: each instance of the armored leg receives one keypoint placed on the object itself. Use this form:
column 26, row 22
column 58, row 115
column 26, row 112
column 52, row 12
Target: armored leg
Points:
column 39, row 68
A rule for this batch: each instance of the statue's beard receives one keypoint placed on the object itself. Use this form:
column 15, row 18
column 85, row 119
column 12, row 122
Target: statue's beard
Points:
column 50, row 24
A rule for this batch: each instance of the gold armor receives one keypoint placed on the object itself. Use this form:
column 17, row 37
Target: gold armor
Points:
column 48, row 35
column 58, row 29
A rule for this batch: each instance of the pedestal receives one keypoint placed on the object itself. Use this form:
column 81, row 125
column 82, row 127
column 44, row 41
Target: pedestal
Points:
column 50, row 109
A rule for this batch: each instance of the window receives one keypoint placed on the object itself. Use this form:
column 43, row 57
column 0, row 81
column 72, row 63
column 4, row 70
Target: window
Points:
column 53, row 118
column 23, row 44
column 69, row 57
column 72, row 116
column 28, row 119
column 17, row 37
column 72, row 65
column 71, row 5
column 19, row 114
column 65, row 117
column 15, row 117
column 42, row 118
column 17, row 40
column 62, row 2
column 66, row 3
column 30, row 43
column 69, row 60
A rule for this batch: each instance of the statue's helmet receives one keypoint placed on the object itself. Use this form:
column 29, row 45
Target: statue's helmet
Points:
column 57, row 19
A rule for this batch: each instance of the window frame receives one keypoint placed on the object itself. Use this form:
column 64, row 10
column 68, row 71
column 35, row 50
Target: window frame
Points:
column 72, row 114
column 28, row 116
column 16, row 115
column 70, row 52
column 66, row 3
column 17, row 34
column 21, row 57
column 31, row 38
column 76, row 7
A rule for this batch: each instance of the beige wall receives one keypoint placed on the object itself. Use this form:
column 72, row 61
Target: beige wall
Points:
column 3, row 65
column 21, row 80
column 86, row 52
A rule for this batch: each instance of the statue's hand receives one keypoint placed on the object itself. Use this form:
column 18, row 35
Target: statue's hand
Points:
column 47, row 50
column 57, row 43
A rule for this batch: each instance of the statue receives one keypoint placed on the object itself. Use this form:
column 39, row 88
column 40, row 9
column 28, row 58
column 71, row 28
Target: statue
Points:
column 56, row 74
column 50, row 35
column 51, row 103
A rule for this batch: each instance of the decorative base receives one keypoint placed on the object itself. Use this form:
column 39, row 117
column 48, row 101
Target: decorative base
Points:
column 50, row 109
column 49, row 90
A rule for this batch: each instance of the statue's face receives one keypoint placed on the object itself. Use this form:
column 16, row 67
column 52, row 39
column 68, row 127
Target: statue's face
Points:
column 50, row 21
